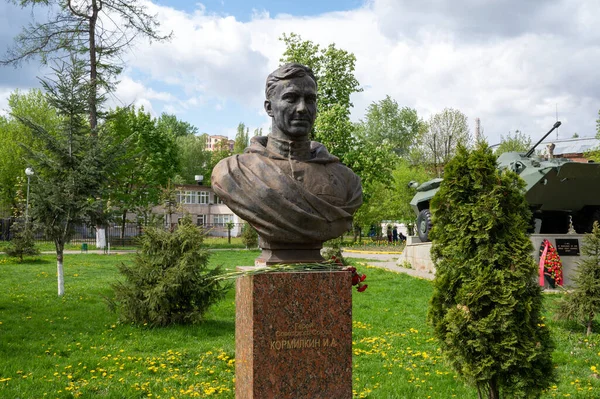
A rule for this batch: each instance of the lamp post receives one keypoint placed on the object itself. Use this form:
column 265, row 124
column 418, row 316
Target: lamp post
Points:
column 29, row 173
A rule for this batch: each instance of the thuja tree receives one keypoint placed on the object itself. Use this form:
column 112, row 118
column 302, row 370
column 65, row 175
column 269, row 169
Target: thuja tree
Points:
column 582, row 303
column 486, row 307
column 170, row 281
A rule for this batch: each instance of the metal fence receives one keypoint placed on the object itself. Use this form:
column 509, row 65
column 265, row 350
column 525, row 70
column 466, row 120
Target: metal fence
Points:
column 116, row 234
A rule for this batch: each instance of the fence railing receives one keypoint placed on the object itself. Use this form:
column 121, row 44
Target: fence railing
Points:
column 116, row 234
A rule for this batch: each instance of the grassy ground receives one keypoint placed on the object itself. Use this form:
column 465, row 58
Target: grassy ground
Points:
column 73, row 346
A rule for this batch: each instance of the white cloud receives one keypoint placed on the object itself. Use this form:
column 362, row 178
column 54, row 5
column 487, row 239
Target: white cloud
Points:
column 4, row 94
column 510, row 63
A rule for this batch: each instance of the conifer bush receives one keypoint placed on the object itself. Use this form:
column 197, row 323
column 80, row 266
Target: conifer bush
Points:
column 23, row 242
column 486, row 307
column 170, row 281
column 249, row 236
column 582, row 303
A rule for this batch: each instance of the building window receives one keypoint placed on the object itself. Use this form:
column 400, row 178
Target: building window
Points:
column 203, row 197
column 220, row 220
column 187, row 197
column 218, row 200
column 201, row 220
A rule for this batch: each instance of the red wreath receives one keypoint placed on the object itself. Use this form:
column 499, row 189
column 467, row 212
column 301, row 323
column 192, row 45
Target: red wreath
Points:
column 550, row 264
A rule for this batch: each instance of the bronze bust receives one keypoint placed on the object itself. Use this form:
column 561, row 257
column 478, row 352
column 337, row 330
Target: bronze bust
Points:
column 290, row 189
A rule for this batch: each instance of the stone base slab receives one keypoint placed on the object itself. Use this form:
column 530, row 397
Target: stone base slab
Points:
column 294, row 335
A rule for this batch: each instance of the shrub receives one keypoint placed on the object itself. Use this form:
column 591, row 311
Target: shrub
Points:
column 169, row 282
column 22, row 242
column 583, row 302
column 486, row 307
column 249, row 236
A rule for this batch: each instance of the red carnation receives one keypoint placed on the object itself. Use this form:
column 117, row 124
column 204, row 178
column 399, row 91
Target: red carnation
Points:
column 362, row 287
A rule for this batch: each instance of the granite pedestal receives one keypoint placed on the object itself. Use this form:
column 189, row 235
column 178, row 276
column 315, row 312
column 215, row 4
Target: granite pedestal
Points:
column 294, row 335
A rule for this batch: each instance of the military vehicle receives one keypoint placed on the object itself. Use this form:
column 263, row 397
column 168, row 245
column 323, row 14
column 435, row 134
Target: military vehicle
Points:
column 561, row 193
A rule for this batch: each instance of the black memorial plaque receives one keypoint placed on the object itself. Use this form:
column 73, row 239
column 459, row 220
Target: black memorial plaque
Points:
column 567, row 246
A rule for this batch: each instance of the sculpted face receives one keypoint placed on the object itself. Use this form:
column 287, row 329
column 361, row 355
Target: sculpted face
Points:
column 293, row 107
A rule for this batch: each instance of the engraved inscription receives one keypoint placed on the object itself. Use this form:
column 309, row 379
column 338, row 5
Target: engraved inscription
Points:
column 304, row 336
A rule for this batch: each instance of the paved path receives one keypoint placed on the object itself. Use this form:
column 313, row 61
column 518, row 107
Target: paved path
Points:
column 386, row 261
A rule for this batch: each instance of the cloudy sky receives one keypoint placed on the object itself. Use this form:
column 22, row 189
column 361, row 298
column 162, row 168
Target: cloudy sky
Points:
column 511, row 63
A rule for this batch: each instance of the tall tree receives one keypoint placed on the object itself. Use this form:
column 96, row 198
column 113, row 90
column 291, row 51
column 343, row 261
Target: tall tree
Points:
column 401, row 127
column 517, row 141
column 447, row 130
column 151, row 159
column 169, row 123
column 486, row 309
column 34, row 106
column 194, row 158
column 71, row 166
column 242, row 139
column 334, row 70
column 98, row 30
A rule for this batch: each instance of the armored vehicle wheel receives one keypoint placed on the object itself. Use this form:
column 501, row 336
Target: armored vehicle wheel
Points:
column 424, row 224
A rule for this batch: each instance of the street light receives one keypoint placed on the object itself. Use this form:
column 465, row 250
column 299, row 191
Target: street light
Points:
column 29, row 173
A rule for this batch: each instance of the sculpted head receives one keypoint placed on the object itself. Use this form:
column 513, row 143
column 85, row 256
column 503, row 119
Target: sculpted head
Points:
column 291, row 92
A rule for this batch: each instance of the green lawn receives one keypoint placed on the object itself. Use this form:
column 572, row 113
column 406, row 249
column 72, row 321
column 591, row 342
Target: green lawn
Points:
column 73, row 346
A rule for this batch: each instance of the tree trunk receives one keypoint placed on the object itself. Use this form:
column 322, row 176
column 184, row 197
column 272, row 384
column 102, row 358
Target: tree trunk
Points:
column 93, row 69
column 589, row 323
column 123, row 220
column 59, row 268
column 229, row 235
column 494, row 392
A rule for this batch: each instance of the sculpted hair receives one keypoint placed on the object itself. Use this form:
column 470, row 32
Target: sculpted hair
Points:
column 287, row 71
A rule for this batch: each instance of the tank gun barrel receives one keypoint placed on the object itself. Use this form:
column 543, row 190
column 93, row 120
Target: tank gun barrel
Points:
column 532, row 149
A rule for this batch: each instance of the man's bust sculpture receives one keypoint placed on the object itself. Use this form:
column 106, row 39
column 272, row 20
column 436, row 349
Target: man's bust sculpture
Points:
column 291, row 190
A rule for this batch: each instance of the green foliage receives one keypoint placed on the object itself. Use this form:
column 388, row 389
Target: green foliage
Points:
column 22, row 242
column 194, row 159
column 71, row 165
column 519, row 143
column 150, row 158
column 486, row 307
column 249, row 236
column 170, row 281
column 582, row 302
column 13, row 134
column 334, row 70
column 391, row 200
column 385, row 120
column 170, row 124
column 242, row 139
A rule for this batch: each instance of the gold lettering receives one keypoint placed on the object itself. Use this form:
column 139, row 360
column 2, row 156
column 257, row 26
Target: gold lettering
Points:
column 325, row 342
